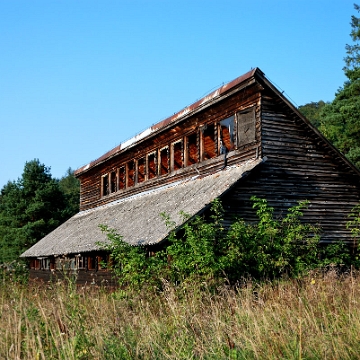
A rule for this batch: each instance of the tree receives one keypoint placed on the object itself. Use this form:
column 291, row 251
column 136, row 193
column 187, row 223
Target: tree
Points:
column 312, row 111
column 70, row 186
column 30, row 208
column 340, row 120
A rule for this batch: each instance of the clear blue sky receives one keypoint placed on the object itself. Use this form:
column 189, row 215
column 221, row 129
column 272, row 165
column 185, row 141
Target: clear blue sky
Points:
column 79, row 77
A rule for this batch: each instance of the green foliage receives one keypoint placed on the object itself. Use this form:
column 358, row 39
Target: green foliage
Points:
column 70, row 187
column 205, row 250
column 131, row 264
column 340, row 120
column 33, row 206
column 312, row 111
column 271, row 247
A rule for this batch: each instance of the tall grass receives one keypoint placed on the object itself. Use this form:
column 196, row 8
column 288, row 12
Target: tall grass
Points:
column 317, row 317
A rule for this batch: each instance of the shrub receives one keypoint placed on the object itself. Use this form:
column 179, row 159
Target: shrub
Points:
column 205, row 250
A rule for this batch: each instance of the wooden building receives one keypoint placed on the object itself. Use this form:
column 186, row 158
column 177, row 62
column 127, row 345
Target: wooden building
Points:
column 243, row 139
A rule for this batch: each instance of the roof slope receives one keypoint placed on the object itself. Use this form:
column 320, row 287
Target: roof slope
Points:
column 137, row 218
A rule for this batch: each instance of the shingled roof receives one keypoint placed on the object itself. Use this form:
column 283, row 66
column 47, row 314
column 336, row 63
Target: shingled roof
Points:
column 142, row 211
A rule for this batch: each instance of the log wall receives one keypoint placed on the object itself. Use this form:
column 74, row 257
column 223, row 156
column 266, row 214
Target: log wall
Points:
column 299, row 166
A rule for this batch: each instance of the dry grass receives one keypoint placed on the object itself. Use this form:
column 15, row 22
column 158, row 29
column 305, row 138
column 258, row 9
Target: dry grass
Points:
column 315, row 318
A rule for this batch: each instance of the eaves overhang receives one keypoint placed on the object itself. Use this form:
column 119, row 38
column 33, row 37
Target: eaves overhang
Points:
column 137, row 218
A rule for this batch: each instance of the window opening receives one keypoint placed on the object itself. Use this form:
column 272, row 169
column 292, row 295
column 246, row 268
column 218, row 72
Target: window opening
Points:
column 122, row 178
column 192, row 149
column 113, row 181
column 141, row 170
column 92, row 262
column 152, row 166
column 59, row 261
column 178, row 155
column 80, row 262
column 246, row 126
column 45, row 264
column 209, row 142
column 164, row 161
column 131, row 173
column 103, row 262
column 52, row 264
column 227, row 135
column 35, row 264
column 105, row 185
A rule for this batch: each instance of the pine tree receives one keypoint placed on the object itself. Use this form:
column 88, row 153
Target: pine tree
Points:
column 30, row 208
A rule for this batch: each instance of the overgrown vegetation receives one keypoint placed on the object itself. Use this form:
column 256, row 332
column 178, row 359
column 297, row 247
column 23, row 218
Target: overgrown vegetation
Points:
column 204, row 250
column 316, row 317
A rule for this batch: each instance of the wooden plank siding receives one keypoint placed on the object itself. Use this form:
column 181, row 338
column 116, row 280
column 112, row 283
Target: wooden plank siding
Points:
column 80, row 277
column 299, row 166
column 90, row 193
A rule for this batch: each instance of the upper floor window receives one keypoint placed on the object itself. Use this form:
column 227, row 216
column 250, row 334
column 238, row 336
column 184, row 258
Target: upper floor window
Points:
column 246, row 126
column 141, row 170
column 206, row 142
column 227, row 135
column 130, row 174
column 178, row 155
column 152, row 165
column 164, row 161
column 192, row 149
column 209, row 143
column 122, row 178
column 113, row 182
column 105, row 185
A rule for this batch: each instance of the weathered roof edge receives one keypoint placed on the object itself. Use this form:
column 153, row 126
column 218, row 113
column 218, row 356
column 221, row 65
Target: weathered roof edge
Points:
column 176, row 117
column 111, row 214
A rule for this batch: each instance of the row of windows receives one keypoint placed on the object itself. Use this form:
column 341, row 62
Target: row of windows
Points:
column 207, row 142
column 74, row 263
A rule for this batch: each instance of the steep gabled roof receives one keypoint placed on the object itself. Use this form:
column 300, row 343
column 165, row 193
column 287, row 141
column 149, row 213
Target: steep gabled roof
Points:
column 137, row 218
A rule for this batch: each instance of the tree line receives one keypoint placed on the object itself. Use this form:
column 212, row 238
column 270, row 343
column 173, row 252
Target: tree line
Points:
column 33, row 206
column 339, row 120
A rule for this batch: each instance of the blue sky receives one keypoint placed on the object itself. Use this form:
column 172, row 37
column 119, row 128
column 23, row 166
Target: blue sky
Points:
column 79, row 77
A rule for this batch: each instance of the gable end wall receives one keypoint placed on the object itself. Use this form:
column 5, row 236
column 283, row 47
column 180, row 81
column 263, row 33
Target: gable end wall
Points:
column 299, row 166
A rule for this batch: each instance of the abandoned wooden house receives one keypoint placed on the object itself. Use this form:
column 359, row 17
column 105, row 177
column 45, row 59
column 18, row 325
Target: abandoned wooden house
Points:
column 243, row 139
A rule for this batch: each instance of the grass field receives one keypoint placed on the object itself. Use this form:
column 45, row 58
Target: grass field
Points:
column 317, row 317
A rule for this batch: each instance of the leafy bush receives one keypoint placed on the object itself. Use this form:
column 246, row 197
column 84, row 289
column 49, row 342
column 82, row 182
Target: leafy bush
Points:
column 206, row 250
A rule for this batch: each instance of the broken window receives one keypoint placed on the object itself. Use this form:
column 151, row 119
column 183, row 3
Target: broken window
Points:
column 152, row 168
column 227, row 135
column 164, row 161
column 141, row 170
column 192, row 149
column 208, row 142
column 113, row 182
column 130, row 173
column 246, row 126
column 122, row 178
column 105, row 185
column 178, row 155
